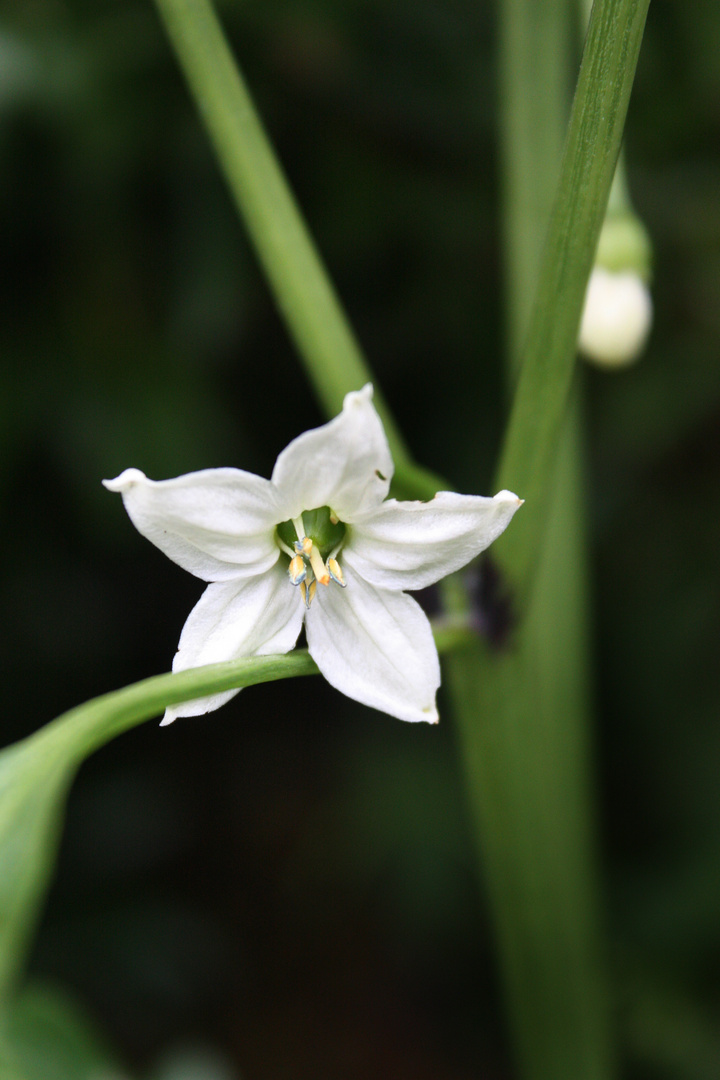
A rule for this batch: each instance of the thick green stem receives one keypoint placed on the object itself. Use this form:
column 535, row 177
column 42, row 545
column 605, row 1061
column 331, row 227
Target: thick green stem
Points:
column 302, row 288
column 523, row 733
column 535, row 68
column 523, row 712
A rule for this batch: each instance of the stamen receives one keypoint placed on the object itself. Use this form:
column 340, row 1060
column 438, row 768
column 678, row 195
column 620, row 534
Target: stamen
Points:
column 308, row 592
column 297, row 570
column 318, row 565
column 304, row 546
column 299, row 527
column 336, row 573
column 283, row 547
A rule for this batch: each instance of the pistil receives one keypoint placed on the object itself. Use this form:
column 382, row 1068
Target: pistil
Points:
column 318, row 537
column 319, row 568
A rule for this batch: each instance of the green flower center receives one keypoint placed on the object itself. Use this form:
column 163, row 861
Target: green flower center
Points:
column 309, row 540
column 321, row 526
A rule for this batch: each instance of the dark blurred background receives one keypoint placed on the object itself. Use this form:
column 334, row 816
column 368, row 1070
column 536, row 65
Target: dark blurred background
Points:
column 291, row 879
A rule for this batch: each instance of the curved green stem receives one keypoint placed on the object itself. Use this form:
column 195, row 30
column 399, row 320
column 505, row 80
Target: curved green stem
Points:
column 88, row 727
column 300, row 283
column 36, row 773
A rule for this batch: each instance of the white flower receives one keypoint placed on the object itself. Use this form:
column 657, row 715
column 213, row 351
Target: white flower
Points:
column 616, row 318
column 320, row 543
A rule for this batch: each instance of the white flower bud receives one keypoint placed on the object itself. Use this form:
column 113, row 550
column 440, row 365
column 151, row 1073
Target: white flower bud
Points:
column 616, row 319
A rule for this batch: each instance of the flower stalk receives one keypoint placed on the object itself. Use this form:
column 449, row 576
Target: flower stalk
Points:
column 523, row 712
column 548, row 356
column 36, row 775
column 300, row 283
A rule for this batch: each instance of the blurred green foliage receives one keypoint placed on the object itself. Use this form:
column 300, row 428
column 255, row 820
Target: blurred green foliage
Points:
column 53, row 1041
column 291, row 878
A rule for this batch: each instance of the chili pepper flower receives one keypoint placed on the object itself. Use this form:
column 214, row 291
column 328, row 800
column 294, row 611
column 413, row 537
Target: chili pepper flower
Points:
column 320, row 544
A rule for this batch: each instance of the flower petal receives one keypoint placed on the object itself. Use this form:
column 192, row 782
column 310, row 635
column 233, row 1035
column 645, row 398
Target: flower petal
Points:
column 217, row 523
column 253, row 617
column 345, row 464
column 409, row 545
column 376, row 647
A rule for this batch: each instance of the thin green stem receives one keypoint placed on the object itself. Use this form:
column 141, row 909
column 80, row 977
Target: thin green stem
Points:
column 591, row 150
column 300, row 283
column 90, row 726
column 36, row 774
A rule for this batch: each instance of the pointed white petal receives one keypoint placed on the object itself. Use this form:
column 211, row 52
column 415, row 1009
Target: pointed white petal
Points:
column 376, row 647
column 218, row 523
column 409, row 545
column 345, row 464
column 253, row 617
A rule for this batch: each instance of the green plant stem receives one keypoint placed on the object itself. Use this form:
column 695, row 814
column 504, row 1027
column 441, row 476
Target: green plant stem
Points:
column 36, row 774
column 523, row 712
column 90, row 726
column 535, row 88
column 588, row 164
column 560, row 1020
column 523, row 739
column 303, row 291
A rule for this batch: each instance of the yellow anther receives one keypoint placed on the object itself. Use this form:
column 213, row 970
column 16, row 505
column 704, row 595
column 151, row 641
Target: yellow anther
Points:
column 308, row 593
column 297, row 570
column 319, row 568
column 335, row 572
column 304, row 546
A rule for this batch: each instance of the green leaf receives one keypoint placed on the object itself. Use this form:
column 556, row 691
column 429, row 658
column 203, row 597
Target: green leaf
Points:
column 46, row 1037
column 32, row 794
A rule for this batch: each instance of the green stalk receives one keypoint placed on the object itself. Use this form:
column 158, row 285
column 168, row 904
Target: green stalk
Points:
column 551, row 665
column 303, row 291
column 624, row 241
column 522, row 731
column 534, row 102
column 36, row 774
column 523, row 712
column 588, row 164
